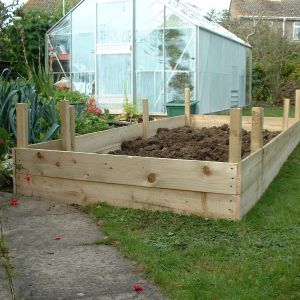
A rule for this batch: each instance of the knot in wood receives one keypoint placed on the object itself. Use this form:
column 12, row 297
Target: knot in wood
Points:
column 206, row 170
column 152, row 178
column 58, row 164
column 39, row 155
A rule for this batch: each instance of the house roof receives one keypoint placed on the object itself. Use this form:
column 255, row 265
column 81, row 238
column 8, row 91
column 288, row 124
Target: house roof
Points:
column 48, row 5
column 267, row 8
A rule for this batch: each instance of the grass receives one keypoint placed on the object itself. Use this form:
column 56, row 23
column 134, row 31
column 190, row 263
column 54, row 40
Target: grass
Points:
column 272, row 111
column 193, row 258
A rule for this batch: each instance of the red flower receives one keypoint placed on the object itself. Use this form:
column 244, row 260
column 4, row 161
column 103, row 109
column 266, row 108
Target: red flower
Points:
column 2, row 142
column 27, row 177
column 98, row 111
column 58, row 238
column 91, row 102
column 14, row 202
column 138, row 288
column 90, row 110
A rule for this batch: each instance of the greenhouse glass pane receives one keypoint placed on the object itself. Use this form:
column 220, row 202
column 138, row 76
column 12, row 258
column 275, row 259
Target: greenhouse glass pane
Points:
column 59, row 42
column 83, row 48
column 150, row 54
column 180, row 55
column 114, row 80
column 114, row 23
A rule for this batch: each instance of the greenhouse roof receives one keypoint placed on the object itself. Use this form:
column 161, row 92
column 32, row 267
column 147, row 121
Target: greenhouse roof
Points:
column 194, row 16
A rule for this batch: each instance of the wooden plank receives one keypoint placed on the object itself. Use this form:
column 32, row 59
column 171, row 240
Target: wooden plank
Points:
column 257, row 129
column 297, row 106
column 208, row 205
column 270, row 123
column 286, row 111
column 95, row 142
column 22, row 125
column 145, row 119
column 259, row 170
column 72, row 127
column 252, row 181
column 277, row 152
column 174, row 174
column 187, row 97
column 51, row 145
column 65, row 125
column 14, row 171
column 235, row 136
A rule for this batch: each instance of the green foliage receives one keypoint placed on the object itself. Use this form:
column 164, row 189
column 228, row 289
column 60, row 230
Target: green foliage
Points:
column 43, row 82
column 88, row 123
column 4, row 143
column 25, row 40
column 43, row 123
column 9, row 94
column 73, row 97
column 130, row 110
column 193, row 258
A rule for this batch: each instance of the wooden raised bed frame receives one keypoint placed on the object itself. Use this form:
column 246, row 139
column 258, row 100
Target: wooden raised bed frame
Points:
column 71, row 170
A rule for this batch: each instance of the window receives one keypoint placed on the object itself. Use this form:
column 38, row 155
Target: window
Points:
column 296, row 31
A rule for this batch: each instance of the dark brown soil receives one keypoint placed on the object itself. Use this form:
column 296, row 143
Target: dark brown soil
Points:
column 209, row 144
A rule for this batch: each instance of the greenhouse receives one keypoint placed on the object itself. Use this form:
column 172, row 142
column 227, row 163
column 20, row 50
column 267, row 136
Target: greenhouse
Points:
column 129, row 50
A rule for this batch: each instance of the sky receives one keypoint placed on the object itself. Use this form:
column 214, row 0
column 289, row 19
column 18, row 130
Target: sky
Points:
column 205, row 5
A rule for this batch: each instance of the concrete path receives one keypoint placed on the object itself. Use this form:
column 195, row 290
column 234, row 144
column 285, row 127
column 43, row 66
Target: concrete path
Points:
column 46, row 268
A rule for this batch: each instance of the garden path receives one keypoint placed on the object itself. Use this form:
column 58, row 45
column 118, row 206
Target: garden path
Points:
column 54, row 252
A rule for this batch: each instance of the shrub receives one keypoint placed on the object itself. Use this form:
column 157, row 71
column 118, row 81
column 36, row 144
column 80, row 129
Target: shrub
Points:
column 4, row 143
column 88, row 123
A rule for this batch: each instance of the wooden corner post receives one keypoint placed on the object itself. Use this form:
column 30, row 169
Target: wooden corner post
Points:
column 65, row 126
column 297, row 106
column 187, row 97
column 257, row 129
column 286, row 112
column 235, row 136
column 22, row 125
column 145, row 118
column 72, row 127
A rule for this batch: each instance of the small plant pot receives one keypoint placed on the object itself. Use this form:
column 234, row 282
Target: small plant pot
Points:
column 177, row 108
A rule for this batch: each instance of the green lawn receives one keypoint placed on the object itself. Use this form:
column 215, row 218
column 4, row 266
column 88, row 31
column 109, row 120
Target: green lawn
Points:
column 193, row 258
column 273, row 111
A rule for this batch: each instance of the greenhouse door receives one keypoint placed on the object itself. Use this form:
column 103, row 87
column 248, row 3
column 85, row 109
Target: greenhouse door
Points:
column 114, row 55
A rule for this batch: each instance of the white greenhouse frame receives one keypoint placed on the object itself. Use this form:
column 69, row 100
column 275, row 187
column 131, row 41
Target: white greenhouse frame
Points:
column 217, row 64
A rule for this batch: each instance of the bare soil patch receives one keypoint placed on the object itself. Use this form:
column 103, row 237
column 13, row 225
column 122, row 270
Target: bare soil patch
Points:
column 209, row 144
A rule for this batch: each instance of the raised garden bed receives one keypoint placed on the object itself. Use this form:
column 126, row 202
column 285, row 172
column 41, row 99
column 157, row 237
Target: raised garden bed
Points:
column 79, row 170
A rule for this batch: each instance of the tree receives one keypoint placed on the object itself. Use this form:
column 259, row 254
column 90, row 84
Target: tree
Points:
column 275, row 58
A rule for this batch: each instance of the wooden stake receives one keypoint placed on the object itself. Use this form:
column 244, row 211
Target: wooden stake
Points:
column 65, row 126
column 235, row 137
column 187, row 97
column 286, row 111
column 257, row 129
column 22, row 125
column 145, row 119
column 297, row 108
column 72, row 127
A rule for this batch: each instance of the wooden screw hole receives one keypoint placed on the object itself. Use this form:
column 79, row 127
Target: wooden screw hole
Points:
column 206, row 170
column 152, row 178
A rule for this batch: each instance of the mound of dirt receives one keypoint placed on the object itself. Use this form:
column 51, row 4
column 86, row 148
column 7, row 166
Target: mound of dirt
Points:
column 209, row 144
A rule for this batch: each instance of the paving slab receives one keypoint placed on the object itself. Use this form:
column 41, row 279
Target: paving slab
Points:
column 4, row 286
column 70, row 267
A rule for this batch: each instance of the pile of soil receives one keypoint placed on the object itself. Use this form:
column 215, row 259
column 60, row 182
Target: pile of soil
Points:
column 209, row 144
